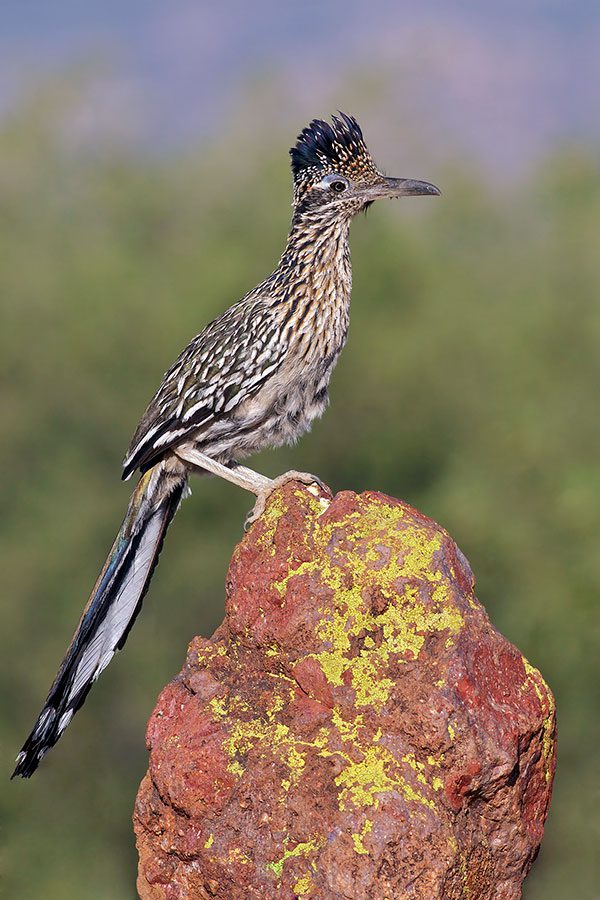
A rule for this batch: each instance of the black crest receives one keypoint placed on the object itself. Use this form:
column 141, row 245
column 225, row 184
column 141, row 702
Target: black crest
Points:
column 339, row 147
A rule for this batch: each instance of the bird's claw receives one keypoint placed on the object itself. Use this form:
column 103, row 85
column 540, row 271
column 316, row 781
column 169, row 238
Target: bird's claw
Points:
column 263, row 496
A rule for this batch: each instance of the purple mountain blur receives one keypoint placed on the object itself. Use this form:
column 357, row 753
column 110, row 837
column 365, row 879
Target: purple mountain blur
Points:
column 498, row 82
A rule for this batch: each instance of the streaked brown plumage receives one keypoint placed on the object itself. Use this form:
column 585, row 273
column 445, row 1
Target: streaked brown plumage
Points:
column 255, row 377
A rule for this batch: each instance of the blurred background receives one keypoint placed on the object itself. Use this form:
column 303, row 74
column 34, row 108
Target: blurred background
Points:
column 144, row 186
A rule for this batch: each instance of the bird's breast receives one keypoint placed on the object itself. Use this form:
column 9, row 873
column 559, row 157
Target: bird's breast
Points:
column 313, row 326
column 285, row 408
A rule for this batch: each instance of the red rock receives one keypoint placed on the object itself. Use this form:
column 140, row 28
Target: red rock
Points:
column 312, row 680
column 356, row 728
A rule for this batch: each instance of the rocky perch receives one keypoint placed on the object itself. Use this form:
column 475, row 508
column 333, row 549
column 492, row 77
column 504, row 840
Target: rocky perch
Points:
column 355, row 728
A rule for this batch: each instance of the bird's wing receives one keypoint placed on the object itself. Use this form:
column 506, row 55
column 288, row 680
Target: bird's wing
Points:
column 222, row 366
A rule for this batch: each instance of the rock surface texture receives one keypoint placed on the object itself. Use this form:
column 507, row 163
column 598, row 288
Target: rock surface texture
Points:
column 355, row 728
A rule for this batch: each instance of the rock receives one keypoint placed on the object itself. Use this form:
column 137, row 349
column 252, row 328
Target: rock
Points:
column 355, row 728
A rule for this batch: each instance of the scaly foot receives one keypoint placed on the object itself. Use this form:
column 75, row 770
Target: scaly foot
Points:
column 263, row 495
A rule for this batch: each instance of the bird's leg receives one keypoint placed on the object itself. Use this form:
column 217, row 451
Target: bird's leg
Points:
column 239, row 475
column 246, row 478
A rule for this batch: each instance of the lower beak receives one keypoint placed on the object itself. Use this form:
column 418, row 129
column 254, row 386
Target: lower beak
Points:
column 402, row 187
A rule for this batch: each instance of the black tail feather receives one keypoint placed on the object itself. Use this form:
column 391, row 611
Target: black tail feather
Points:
column 110, row 614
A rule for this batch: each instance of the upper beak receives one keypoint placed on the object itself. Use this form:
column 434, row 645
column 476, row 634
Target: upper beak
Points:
column 401, row 187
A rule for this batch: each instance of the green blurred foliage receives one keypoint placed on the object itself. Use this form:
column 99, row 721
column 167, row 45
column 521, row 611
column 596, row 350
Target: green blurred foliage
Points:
column 469, row 387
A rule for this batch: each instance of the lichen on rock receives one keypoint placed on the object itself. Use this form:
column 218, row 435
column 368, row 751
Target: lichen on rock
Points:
column 355, row 727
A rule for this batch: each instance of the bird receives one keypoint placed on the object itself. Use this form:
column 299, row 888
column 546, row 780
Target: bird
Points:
column 255, row 377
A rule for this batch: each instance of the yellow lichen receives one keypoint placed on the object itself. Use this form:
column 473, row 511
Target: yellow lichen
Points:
column 273, row 512
column 544, row 695
column 315, row 503
column 236, row 768
column 357, row 838
column 307, row 566
column 372, row 688
column 435, row 760
column 420, row 771
column 387, row 596
column 462, row 865
column 209, row 652
column 274, row 736
column 349, row 731
column 277, row 704
column 219, row 707
column 376, row 773
column 209, row 842
column 295, row 761
column 369, row 769
column 302, row 849
column 416, row 766
column 237, row 855
column 405, row 620
column 303, row 886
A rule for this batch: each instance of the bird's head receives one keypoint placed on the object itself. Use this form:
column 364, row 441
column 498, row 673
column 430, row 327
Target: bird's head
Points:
column 334, row 172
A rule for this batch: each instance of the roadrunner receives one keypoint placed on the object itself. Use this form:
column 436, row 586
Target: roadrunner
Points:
column 256, row 377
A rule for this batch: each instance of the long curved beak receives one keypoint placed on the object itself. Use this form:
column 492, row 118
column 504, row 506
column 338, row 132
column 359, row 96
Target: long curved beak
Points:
column 401, row 187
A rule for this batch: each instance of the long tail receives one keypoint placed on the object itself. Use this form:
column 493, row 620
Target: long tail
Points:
column 112, row 608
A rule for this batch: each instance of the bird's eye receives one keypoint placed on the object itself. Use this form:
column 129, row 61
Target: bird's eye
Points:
column 333, row 182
